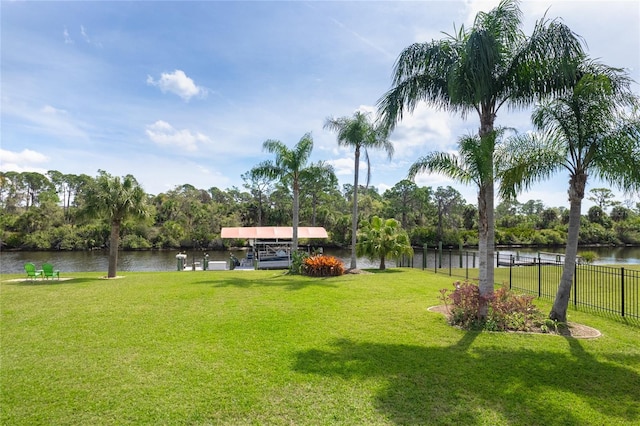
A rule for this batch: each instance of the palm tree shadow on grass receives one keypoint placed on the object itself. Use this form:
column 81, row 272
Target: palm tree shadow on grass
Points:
column 62, row 281
column 276, row 281
column 425, row 385
column 383, row 271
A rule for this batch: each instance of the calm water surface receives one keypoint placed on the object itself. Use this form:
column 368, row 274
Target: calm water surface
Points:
column 149, row 261
column 165, row 260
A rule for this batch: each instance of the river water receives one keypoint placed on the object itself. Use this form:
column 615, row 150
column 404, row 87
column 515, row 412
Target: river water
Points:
column 157, row 260
column 165, row 260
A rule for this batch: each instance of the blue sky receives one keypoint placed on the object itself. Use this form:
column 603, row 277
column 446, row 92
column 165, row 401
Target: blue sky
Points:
column 187, row 92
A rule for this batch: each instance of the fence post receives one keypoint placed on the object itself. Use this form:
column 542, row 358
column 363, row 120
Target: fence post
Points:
column 539, row 276
column 575, row 284
column 450, row 258
column 622, row 289
column 435, row 260
column 460, row 253
column 425, row 249
column 440, row 254
column 474, row 259
column 497, row 259
column 466, row 262
column 510, row 271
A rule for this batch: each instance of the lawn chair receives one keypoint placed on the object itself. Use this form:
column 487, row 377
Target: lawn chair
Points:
column 32, row 272
column 49, row 272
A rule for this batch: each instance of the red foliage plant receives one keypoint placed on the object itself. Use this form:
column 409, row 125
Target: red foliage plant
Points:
column 322, row 266
column 506, row 310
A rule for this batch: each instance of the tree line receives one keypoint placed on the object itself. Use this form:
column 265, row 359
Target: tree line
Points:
column 48, row 212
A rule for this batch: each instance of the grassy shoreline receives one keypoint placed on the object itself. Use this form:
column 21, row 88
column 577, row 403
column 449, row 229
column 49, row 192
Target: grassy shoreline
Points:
column 234, row 347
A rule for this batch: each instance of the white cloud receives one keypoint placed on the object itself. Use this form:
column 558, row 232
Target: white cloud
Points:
column 342, row 166
column 177, row 83
column 67, row 37
column 84, row 34
column 473, row 7
column 163, row 133
column 423, row 131
column 23, row 161
column 59, row 122
column 25, row 156
column 49, row 120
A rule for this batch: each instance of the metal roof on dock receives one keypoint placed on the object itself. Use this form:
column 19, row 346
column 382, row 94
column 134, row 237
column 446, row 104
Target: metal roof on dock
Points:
column 273, row 232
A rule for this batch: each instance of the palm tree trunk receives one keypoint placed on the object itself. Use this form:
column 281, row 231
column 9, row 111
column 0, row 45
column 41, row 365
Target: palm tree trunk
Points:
column 486, row 225
column 382, row 264
column 296, row 212
column 491, row 240
column 114, row 242
column 561, row 302
column 483, row 257
column 354, row 219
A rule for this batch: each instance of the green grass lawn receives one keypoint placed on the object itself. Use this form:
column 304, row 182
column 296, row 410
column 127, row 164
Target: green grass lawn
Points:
column 238, row 348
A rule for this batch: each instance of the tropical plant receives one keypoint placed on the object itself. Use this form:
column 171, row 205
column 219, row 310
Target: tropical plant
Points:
column 288, row 166
column 594, row 129
column 507, row 311
column 320, row 265
column 491, row 64
column 114, row 199
column 359, row 133
column 380, row 239
column 472, row 164
column 297, row 262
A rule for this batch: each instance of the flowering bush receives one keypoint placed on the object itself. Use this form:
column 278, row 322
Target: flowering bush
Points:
column 506, row 311
column 322, row 266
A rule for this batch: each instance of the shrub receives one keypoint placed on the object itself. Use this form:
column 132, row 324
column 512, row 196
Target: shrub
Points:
column 297, row 262
column 134, row 242
column 506, row 311
column 588, row 256
column 322, row 266
column 463, row 304
column 513, row 312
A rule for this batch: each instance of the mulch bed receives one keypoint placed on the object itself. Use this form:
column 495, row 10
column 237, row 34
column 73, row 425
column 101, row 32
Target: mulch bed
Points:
column 572, row 329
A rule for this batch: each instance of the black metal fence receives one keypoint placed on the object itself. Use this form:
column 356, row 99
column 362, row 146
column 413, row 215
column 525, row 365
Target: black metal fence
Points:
column 614, row 290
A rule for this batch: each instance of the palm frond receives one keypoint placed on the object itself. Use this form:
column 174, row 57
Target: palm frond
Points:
column 444, row 163
column 544, row 64
column 267, row 169
column 421, row 73
column 303, row 149
column 618, row 159
column 527, row 159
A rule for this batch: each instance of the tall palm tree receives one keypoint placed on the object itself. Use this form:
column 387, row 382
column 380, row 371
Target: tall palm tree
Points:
column 479, row 70
column 382, row 238
column 473, row 164
column 288, row 165
column 594, row 130
column 115, row 199
column 359, row 133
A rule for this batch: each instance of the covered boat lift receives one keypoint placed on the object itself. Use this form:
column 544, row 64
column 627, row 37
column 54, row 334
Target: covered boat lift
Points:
column 271, row 245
